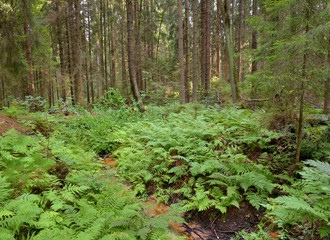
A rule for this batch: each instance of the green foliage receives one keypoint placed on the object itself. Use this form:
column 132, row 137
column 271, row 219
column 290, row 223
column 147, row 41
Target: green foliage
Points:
column 196, row 154
column 78, row 206
column 22, row 157
column 307, row 201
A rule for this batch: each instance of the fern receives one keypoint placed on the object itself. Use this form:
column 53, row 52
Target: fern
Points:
column 308, row 199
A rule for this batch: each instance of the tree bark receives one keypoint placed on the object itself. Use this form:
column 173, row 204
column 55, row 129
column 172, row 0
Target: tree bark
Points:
column 187, row 73
column 78, row 81
column 100, row 28
column 195, row 51
column 29, row 58
column 225, row 11
column 136, row 92
column 254, row 43
column 240, row 13
column 302, row 87
column 90, row 54
column 207, row 46
column 181, row 64
column 60, row 45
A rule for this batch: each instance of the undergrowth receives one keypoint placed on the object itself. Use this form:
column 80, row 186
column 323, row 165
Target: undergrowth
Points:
column 201, row 158
column 86, row 204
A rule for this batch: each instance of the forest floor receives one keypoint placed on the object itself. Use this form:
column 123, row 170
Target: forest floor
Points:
column 124, row 150
column 200, row 226
column 7, row 123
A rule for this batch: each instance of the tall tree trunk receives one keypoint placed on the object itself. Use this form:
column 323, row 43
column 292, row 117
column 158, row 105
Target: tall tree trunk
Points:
column 78, row 80
column 136, row 92
column 302, row 87
column 105, row 23
column 203, row 44
column 195, row 45
column 181, row 67
column 113, row 58
column 100, row 28
column 90, row 53
column 254, row 43
column 29, row 58
column 60, row 45
column 225, row 11
column 240, row 13
column 187, row 74
column 327, row 91
column 70, row 53
column 207, row 46
column 123, row 60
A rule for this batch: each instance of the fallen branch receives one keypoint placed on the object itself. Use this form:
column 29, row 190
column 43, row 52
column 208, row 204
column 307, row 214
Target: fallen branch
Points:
column 192, row 230
column 255, row 100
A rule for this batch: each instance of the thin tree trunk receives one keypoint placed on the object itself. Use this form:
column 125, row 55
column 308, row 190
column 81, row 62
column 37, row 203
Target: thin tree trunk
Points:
column 302, row 88
column 327, row 91
column 105, row 23
column 78, row 81
column 100, row 28
column 181, row 67
column 207, row 46
column 254, row 43
column 90, row 53
column 60, row 45
column 187, row 74
column 113, row 58
column 195, row 45
column 225, row 11
column 203, row 45
column 240, row 13
column 136, row 92
column 29, row 59
column 123, row 61
column 69, row 34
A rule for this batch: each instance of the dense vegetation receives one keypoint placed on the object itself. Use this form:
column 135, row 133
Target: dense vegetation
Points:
column 197, row 158
column 216, row 110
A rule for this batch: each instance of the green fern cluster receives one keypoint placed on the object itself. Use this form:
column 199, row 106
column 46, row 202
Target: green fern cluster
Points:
column 307, row 200
column 81, row 206
column 22, row 158
column 197, row 156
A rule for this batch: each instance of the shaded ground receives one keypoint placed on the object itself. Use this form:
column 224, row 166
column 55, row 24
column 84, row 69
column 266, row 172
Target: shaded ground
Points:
column 7, row 123
column 201, row 225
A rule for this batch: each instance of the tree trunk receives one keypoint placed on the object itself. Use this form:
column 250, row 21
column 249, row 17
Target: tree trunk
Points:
column 327, row 92
column 225, row 11
column 254, row 43
column 70, row 53
column 302, row 87
column 78, row 81
column 240, row 13
column 60, row 45
column 187, row 80
column 123, row 60
column 181, row 64
column 29, row 59
column 195, row 43
column 105, row 68
column 207, row 46
column 113, row 58
column 203, row 44
column 100, row 28
column 136, row 92
column 90, row 54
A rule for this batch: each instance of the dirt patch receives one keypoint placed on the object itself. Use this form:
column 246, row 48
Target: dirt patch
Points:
column 207, row 225
column 7, row 123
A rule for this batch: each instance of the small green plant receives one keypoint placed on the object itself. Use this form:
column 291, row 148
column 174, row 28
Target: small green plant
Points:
column 307, row 200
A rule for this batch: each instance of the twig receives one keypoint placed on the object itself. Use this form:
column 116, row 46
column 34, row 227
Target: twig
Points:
column 192, row 230
column 255, row 100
